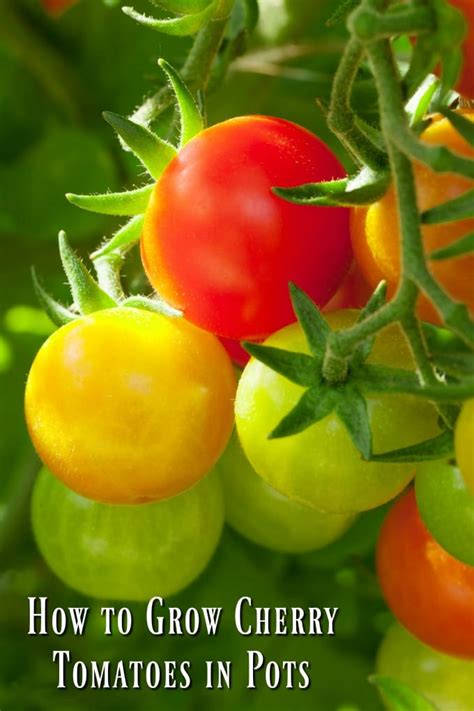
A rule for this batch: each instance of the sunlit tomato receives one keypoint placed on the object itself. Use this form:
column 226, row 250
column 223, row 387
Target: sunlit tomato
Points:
column 127, row 552
column 353, row 293
column 56, row 7
column 429, row 591
column 466, row 82
column 464, row 439
column 320, row 466
column 446, row 507
column 445, row 681
column 218, row 244
column 375, row 230
column 127, row 406
column 264, row 516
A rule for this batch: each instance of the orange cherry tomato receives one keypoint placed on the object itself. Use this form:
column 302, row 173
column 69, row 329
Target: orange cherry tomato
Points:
column 429, row 591
column 375, row 229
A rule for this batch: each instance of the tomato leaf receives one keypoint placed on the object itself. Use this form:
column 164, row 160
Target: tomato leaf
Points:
column 300, row 368
column 461, row 124
column 401, row 696
column 58, row 313
column 460, row 208
column 351, row 408
column 153, row 151
column 439, row 447
column 462, row 246
column 315, row 327
column 315, row 404
column 182, row 26
column 87, row 294
column 191, row 120
column 123, row 239
column 129, row 202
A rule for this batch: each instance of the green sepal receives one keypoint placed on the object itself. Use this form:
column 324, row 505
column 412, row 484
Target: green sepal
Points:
column 462, row 125
column 351, row 408
column 152, row 151
column 87, row 294
column 300, row 368
column 128, row 235
column 423, row 62
column 314, row 405
column 156, row 305
column 59, row 314
column 191, row 120
column 401, row 696
column 376, row 301
column 462, row 246
column 129, row 202
column 182, row 26
column 439, row 447
column 381, row 379
column 365, row 187
column 182, row 7
column 251, row 14
column 341, row 13
column 371, row 132
column 451, row 65
column 314, row 325
column 460, row 208
column 418, row 106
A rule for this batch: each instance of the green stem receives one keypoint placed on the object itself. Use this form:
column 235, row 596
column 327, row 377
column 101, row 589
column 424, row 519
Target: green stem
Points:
column 15, row 520
column 108, row 275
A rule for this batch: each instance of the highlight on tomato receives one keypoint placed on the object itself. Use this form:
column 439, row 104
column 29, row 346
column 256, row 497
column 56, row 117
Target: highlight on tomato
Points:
column 321, row 467
column 127, row 552
column 266, row 517
column 219, row 245
column 464, row 443
column 375, row 229
column 446, row 681
column 429, row 591
column 129, row 406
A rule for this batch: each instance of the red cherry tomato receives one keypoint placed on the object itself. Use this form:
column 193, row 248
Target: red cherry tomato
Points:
column 353, row 293
column 429, row 591
column 237, row 354
column 465, row 84
column 218, row 244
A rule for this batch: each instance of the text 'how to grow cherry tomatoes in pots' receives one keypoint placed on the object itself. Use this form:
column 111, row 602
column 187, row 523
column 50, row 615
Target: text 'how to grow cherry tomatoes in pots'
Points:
column 128, row 406
column 220, row 246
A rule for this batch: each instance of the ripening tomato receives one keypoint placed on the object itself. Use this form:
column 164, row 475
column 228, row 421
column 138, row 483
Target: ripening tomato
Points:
column 128, row 406
column 464, row 440
column 268, row 518
column 320, row 466
column 219, row 245
column 445, row 681
column 429, row 591
column 238, row 354
column 127, row 552
column 375, row 230
column 56, row 7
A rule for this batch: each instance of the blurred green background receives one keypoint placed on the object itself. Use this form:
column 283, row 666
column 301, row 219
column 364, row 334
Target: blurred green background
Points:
column 56, row 77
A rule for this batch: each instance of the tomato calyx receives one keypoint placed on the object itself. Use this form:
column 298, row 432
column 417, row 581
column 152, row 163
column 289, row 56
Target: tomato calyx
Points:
column 186, row 23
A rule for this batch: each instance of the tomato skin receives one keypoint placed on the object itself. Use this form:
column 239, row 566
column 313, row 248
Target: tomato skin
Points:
column 127, row 552
column 464, row 443
column 446, row 507
column 127, row 406
column 267, row 518
column 429, row 591
column 238, row 355
column 353, row 293
column 465, row 84
column 321, row 467
column 375, row 231
column 445, row 681
column 218, row 244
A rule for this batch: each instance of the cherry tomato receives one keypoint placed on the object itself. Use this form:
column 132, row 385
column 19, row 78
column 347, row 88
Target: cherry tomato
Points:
column 447, row 508
column 429, row 591
column 238, row 355
column 127, row 406
column 465, row 85
column 375, row 230
column 127, row 552
column 268, row 518
column 464, row 439
column 218, row 244
column 353, row 293
column 56, row 7
column 445, row 681
column 320, row 466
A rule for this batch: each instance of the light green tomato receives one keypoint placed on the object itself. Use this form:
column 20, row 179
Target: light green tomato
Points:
column 127, row 552
column 320, row 466
column 268, row 518
column 446, row 506
column 448, row 682
column 464, row 440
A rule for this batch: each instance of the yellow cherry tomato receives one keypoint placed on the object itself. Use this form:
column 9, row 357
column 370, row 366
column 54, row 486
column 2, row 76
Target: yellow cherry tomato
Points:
column 464, row 439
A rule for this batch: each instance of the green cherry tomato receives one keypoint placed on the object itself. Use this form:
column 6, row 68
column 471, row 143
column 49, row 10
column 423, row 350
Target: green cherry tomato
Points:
column 464, row 439
column 446, row 681
column 127, row 552
column 268, row 518
column 320, row 466
column 447, row 508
